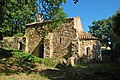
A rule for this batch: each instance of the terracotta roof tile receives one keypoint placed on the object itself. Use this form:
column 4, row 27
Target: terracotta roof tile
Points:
column 88, row 36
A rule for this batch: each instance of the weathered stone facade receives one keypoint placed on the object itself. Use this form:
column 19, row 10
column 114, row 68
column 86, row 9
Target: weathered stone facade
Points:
column 88, row 44
column 68, row 40
column 14, row 42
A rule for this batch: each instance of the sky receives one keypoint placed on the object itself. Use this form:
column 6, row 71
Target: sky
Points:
column 90, row 10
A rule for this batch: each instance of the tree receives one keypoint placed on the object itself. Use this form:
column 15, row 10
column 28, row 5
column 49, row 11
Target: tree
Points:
column 103, row 30
column 15, row 14
column 116, row 30
column 108, row 30
column 52, row 10
column 116, row 23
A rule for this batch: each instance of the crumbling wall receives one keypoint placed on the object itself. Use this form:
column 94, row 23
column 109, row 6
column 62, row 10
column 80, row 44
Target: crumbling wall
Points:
column 10, row 42
column 34, row 35
column 37, row 42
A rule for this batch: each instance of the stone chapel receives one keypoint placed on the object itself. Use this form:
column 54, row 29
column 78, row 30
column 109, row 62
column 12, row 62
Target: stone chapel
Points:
column 69, row 39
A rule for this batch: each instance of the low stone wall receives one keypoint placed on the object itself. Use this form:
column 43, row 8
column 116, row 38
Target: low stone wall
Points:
column 10, row 42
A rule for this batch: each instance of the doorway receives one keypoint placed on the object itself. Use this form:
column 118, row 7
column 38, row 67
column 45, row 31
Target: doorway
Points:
column 41, row 50
column 20, row 46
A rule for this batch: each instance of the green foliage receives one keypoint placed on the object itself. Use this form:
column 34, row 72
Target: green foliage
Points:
column 31, row 58
column 57, row 19
column 106, row 30
column 50, row 8
column 52, row 62
column 117, row 49
column 15, row 14
column 103, row 30
column 52, row 12
column 25, row 56
column 116, row 23
column 19, row 34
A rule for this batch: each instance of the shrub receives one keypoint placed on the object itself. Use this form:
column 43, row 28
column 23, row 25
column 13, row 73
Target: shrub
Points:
column 25, row 56
column 52, row 62
column 31, row 58
column 19, row 34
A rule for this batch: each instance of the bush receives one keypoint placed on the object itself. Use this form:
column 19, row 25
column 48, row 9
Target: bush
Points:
column 52, row 62
column 31, row 58
column 117, row 49
column 25, row 56
column 19, row 34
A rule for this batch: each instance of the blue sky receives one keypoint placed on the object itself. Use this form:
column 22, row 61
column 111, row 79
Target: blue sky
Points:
column 90, row 10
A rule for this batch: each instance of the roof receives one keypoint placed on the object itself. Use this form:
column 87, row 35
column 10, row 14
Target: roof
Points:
column 86, row 36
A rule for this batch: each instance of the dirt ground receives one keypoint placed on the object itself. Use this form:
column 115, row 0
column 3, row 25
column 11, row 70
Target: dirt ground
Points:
column 20, row 70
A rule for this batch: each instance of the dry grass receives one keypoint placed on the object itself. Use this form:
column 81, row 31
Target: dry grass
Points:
column 23, row 76
column 14, row 69
column 92, row 71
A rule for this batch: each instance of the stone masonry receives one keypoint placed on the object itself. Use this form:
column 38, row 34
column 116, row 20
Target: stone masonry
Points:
column 68, row 41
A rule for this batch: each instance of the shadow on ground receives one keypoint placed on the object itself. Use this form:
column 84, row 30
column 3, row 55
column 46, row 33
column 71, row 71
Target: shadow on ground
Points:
column 10, row 65
column 88, row 71
column 5, row 53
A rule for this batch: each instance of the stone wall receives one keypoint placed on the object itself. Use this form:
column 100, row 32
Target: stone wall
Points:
column 48, row 46
column 78, row 24
column 61, row 43
column 89, row 47
column 34, row 38
column 10, row 42
column 37, row 43
column 63, row 40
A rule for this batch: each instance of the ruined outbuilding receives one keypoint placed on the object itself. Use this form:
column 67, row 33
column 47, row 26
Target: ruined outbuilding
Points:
column 68, row 40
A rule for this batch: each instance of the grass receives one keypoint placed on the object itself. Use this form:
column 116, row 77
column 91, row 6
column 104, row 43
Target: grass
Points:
column 23, row 76
column 90, row 71
column 12, row 68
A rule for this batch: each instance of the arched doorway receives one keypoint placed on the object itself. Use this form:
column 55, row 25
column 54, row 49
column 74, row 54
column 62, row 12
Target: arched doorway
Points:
column 88, row 51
